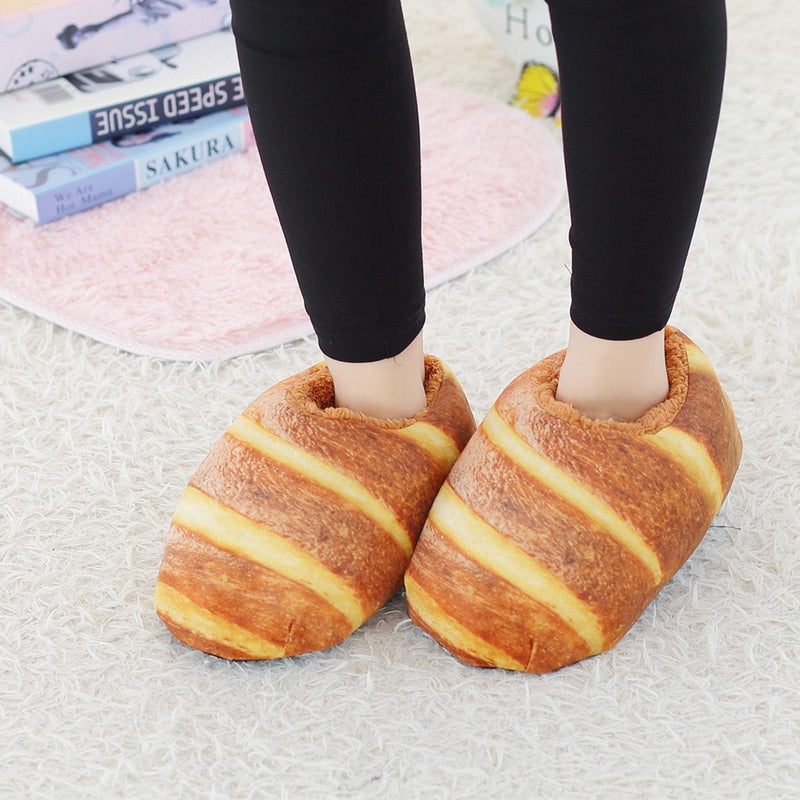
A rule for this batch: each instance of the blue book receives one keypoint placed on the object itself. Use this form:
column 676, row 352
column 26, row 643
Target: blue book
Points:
column 166, row 85
column 46, row 189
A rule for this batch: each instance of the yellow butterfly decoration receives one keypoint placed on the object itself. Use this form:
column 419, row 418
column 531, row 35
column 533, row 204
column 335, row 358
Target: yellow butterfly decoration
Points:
column 537, row 91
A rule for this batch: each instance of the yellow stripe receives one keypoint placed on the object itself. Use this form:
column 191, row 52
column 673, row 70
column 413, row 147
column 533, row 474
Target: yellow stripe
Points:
column 706, row 470
column 433, row 440
column 236, row 533
column 729, row 406
column 698, row 361
column 483, row 544
column 690, row 454
column 546, row 472
column 451, row 632
column 318, row 471
column 180, row 610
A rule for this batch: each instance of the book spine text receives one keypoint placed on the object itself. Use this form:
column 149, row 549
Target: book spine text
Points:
column 172, row 106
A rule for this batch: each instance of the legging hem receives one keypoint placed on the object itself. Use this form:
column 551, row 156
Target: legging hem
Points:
column 372, row 346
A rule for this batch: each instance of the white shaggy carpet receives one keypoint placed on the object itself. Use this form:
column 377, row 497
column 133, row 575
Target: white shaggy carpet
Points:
column 699, row 700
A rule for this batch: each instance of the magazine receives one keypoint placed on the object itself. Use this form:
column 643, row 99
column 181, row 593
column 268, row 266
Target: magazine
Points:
column 42, row 39
column 166, row 85
column 52, row 187
column 521, row 28
column 523, row 31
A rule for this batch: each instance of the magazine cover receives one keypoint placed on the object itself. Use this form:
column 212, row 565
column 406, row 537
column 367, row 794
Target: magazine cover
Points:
column 42, row 39
column 522, row 30
column 49, row 188
column 175, row 82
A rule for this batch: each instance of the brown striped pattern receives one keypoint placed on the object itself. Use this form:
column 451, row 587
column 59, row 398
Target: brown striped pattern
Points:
column 553, row 533
column 299, row 524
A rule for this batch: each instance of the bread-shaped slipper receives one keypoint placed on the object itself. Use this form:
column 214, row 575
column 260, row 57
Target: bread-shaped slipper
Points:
column 299, row 524
column 554, row 532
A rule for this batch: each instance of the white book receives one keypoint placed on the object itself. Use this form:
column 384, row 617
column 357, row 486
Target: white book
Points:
column 42, row 39
column 172, row 83
column 521, row 28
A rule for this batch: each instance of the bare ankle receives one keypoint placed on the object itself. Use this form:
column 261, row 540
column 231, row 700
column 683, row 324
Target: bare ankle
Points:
column 389, row 389
column 613, row 379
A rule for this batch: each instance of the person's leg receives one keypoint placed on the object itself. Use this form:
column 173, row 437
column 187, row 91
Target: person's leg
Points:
column 641, row 86
column 330, row 89
column 301, row 520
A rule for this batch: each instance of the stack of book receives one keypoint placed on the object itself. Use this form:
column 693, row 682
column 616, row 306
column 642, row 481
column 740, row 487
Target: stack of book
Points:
column 101, row 98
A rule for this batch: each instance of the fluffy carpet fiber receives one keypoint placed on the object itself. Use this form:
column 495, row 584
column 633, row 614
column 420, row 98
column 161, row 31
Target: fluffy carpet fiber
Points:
column 700, row 700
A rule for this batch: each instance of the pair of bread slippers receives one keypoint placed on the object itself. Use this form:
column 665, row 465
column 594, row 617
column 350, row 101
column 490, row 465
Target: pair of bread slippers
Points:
column 529, row 544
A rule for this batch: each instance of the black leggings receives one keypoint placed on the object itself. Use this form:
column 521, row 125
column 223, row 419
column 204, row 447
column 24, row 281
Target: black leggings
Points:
column 331, row 94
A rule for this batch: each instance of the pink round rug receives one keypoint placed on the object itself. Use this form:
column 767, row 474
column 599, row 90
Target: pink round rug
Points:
column 197, row 268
